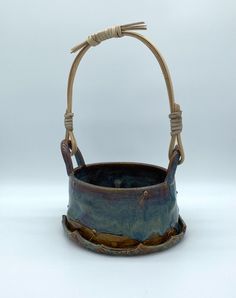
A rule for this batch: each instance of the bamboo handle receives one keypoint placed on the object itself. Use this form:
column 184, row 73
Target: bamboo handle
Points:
column 117, row 32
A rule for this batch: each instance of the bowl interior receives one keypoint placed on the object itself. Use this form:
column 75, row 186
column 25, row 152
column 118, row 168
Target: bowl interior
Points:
column 121, row 175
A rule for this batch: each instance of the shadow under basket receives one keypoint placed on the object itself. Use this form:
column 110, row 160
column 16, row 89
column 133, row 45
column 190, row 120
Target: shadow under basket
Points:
column 123, row 208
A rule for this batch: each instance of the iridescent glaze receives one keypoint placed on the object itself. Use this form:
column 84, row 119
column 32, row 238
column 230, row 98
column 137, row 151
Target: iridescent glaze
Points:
column 133, row 200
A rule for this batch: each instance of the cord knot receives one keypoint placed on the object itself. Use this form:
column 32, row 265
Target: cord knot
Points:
column 115, row 31
column 176, row 122
column 68, row 121
column 97, row 38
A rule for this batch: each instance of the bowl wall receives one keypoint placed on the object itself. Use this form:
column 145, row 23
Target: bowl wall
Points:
column 125, row 199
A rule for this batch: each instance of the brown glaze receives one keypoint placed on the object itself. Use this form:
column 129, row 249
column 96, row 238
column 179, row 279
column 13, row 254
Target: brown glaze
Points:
column 121, row 245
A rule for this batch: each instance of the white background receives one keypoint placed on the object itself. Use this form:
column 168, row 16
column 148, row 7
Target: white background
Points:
column 121, row 114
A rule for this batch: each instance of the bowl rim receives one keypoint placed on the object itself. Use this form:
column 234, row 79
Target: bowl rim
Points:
column 119, row 189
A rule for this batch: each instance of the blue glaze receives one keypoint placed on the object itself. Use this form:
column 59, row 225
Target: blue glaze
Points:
column 137, row 212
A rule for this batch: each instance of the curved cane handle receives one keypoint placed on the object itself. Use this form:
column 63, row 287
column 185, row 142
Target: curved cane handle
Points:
column 120, row 31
